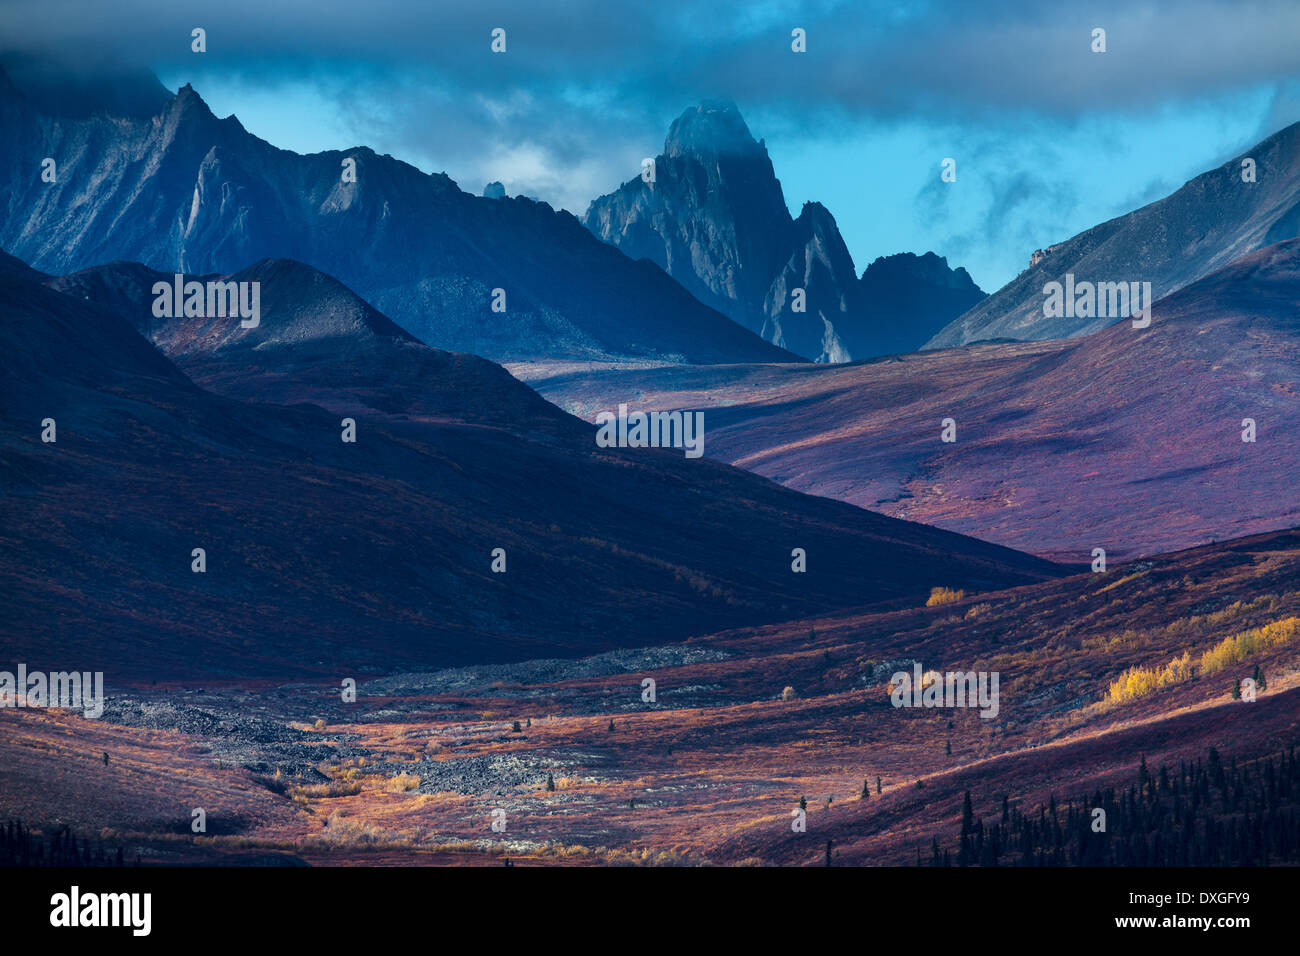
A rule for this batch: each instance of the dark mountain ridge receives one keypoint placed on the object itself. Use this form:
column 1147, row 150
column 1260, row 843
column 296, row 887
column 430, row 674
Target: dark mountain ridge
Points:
column 375, row 555
column 715, row 219
column 1211, row 221
column 183, row 190
column 1126, row 439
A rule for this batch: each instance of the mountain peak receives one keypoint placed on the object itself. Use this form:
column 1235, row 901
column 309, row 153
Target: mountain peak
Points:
column 716, row 220
column 188, row 96
column 187, row 107
column 192, row 193
column 333, row 309
column 928, row 268
column 818, row 215
column 715, row 127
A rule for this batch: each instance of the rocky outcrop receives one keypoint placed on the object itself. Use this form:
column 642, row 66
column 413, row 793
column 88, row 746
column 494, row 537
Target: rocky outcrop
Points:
column 1242, row 206
column 181, row 190
column 712, row 214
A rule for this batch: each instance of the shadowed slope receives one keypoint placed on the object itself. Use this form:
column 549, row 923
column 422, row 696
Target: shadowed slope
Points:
column 1211, row 221
column 1126, row 439
column 377, row 554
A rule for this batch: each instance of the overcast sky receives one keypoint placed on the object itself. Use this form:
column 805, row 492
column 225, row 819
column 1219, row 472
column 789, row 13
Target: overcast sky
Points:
column 1049, row 137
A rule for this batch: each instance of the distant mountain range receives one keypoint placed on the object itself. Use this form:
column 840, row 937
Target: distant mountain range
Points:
column 322, row 344
column 910, row 294
column 1125, row 439
column 377, row 554
column 715, row 218
column 143, row 175
column 1212, row 220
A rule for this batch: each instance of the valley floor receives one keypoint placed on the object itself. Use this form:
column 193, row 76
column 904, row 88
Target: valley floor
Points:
column 581, row 769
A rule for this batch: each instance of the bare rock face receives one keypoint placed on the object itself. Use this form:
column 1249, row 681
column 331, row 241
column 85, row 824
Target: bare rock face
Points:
column 714, row 217
column 157, row 178
column 822, row 268
column 1211, row 221
column 912, row 297
column 712, row 214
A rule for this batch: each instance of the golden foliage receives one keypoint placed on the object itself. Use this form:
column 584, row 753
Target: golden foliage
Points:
column 1138, row 681
column 334, row 788
column 1233, row 649
column 943, row 596
column 402, row 783
column 1124, row 580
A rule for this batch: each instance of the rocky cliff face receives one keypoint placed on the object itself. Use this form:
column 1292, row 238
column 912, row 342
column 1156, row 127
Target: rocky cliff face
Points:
column 715, row 218
column 180, row 189
column 913, row 297
column 712, row 215
column 821, row 266
column 1212, row 220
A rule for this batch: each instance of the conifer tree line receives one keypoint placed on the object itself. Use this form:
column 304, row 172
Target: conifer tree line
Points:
column 21, row 846
column 1207, row 813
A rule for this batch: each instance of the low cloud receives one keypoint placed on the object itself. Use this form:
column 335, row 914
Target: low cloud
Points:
column 863, row 57
column 585, row 90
